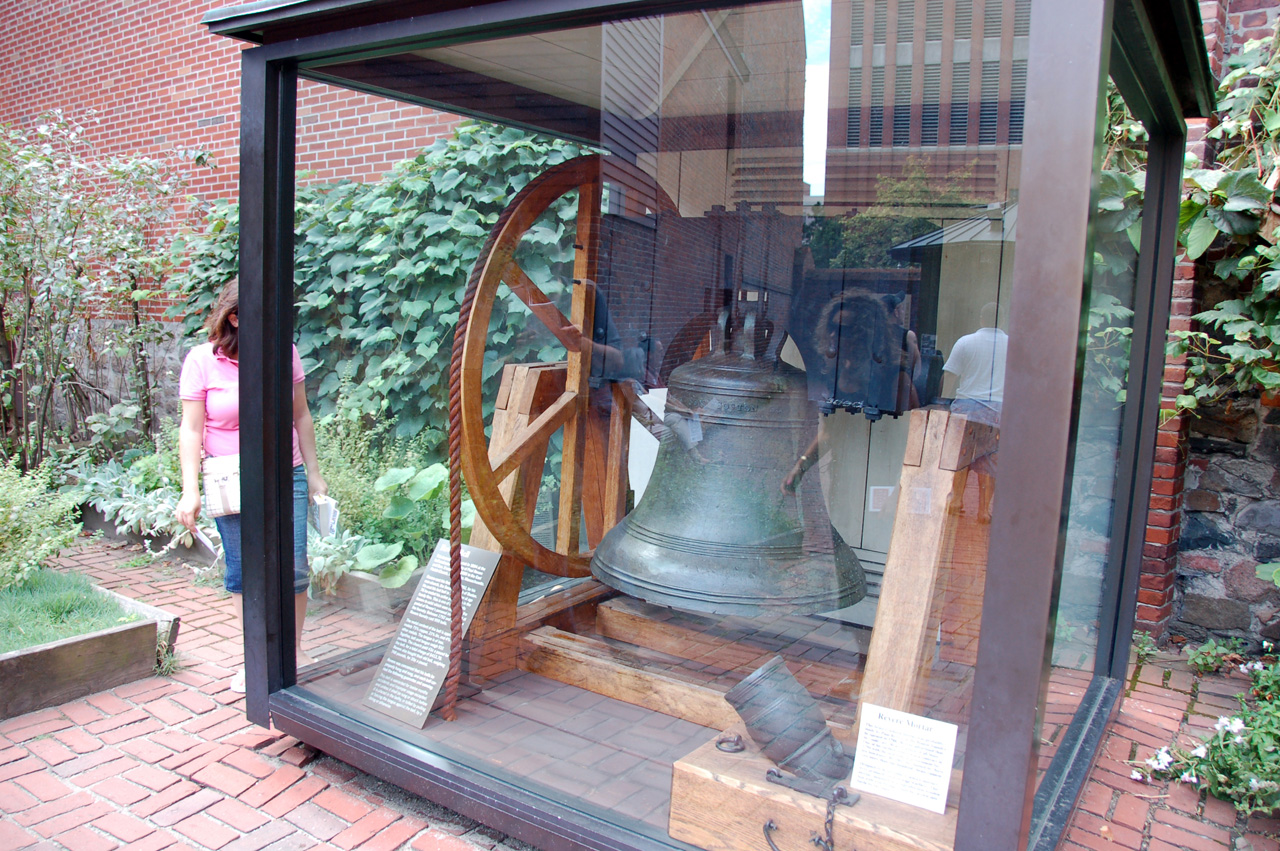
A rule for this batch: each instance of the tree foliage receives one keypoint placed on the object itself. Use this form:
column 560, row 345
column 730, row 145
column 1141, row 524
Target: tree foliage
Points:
column 1228, row 224
column 84, row 239
column 379, row 269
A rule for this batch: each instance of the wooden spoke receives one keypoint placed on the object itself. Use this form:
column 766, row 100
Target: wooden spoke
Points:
column 534, row 436
column 537, row 301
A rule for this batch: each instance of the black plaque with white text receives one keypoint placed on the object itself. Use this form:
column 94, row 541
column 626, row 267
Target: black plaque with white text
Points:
column 413, row 670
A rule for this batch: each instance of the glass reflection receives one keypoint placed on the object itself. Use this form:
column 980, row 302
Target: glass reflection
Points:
column 742, row 342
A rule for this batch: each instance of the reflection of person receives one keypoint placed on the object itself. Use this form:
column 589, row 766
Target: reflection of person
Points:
column 976, row 371
column 210, row 392
column 910, row 364
column 865, row 355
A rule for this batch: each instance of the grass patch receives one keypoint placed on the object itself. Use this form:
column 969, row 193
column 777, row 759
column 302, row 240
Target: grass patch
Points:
column 52, row 606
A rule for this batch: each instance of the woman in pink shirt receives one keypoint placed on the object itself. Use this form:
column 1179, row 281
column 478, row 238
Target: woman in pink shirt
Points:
column 210, row 392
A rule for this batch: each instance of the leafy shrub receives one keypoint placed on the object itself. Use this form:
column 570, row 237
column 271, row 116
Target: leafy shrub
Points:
column 141, row 497
column 86, row 235
column 1228, row 224
column 35, row 522
column 391, row 497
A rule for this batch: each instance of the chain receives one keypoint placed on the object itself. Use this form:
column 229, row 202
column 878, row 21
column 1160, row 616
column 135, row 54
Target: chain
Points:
column 838, row 796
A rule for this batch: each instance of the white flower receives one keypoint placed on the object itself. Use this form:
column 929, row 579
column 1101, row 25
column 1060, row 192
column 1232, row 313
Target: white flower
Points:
column 1254, row 784
column 1160, row 760
column 1200, row 752
column 1137, row 775
column 1238, row 739
column 1187, row 777
column 1234, row 726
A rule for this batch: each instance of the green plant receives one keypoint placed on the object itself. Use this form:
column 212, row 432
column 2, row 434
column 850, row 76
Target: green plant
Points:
column 1269, row 571
column 167, row 661
column 1214, row 655
column 331, row 557
column 1240, row 761
column 1144, row 645
column 1228, row 223
column 379, row 269
column 35, row 522
column 144, row 504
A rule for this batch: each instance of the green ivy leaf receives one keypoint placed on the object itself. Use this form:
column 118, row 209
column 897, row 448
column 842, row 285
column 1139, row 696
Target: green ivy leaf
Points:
column 1244, row 192
column 1200, row 237
column 393, row 478
column 1269, row 572
column 372, row 556
column 428, row 482
column 398, row 574
column 1231, row 222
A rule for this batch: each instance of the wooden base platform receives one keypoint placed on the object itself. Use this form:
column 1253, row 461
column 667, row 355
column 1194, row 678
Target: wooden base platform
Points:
column 721, row 802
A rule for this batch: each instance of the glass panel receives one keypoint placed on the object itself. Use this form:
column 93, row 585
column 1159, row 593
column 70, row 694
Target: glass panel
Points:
column 732, row 391
column 1087, row 568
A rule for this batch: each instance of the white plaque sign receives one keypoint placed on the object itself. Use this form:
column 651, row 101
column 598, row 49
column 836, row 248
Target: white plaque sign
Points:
column 904, row 757
column 413, row 670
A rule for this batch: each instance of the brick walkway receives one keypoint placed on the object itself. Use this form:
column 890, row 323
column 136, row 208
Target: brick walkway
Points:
column 1164, row 703
column 171, row 762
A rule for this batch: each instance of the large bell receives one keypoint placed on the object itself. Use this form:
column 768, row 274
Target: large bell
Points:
column 715, row 531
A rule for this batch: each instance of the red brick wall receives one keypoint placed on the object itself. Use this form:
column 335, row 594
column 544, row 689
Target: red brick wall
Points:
column 158, row 81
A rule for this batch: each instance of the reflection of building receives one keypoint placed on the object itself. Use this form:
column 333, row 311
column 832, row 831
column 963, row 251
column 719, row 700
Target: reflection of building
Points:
column 940, row 81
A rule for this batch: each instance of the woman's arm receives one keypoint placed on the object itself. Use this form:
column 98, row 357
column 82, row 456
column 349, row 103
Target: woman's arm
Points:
column 190, row 448
column 316, row 485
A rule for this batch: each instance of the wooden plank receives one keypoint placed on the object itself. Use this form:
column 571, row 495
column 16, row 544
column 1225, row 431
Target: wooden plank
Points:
column 491, row 644
column 601, row 668
column 533, row 436
column 61, row 671
column 716, row 642
column 898, row 660
column 720, row 802
column 616, row 483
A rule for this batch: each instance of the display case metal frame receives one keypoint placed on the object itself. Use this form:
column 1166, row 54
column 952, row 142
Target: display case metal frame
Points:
column 1155, row 53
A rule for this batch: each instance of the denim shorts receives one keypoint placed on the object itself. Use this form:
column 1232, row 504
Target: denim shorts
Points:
column 229, row 529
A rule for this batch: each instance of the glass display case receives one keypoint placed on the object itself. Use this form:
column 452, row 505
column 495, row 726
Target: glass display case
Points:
column 802, row 398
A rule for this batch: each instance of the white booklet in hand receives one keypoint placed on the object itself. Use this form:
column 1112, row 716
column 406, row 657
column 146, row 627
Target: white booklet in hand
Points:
column 324, row 515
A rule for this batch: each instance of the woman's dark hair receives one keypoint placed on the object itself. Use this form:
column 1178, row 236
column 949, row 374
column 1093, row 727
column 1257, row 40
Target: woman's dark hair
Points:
column 222, row 333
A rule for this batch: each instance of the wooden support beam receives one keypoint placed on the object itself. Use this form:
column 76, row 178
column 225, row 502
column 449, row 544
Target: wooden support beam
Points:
column 623, row 675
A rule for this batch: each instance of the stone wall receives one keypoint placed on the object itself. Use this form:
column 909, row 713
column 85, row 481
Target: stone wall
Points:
column 1231, row 523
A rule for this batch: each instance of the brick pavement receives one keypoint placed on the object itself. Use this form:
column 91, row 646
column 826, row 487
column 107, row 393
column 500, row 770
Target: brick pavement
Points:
column 1165, row 703
column 171, row 762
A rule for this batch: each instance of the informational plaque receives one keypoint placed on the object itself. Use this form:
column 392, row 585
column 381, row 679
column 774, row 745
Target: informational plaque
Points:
column 904, row 757
column 413, row 670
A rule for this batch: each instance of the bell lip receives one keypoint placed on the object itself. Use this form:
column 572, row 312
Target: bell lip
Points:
column 736, row 606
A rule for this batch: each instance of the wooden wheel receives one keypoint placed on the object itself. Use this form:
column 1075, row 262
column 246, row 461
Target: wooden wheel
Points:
column 503, row 471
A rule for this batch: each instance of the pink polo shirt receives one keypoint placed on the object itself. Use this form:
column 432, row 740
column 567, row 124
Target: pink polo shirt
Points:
column 214, row 378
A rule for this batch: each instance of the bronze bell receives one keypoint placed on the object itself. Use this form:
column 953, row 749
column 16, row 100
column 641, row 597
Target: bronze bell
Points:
column 714, row 531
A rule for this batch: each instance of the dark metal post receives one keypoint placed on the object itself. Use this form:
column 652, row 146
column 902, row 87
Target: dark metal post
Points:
column 1068, row 57
column 267, row 103
column 1154, row 293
